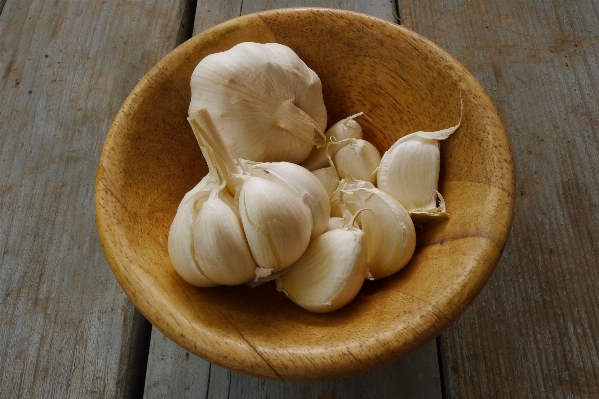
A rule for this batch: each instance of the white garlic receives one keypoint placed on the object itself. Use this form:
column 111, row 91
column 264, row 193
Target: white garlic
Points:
column 180, row 237
column 409, row 172
column 346, row 128
column 306, row 186
column 330, row 273
column 277, row 224
column 264, row 100
column 358, row 158
column 220, row 246
column 328, row 177
column 388, row 229
column 349, row 183
column 335, row 223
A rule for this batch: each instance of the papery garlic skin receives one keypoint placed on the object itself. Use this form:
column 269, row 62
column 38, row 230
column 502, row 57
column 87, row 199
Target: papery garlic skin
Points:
column 409, row 172
column 330, row 273
column 306, row 186
column 277, row 224
column 358, row 158
column 220, row 247
column 349, row 183
column 180, row 237
column 388, row 229
column 346, row 128
column 328, row 177
column 265, row 101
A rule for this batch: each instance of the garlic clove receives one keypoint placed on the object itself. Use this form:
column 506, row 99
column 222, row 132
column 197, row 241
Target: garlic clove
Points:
column 409, row 172
column 266, row 102
column 330, row 273
column 328, row 177
column 344, row 129
column 180, row 237
column 220, row 246
column 335, row 223
column 307, row 187
column 349, row 183
column 358, row 158
column 277, row 224
column 388, row 229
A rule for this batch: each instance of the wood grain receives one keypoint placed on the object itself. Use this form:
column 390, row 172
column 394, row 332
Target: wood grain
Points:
column 533, row 331
column 120, row 189
column 68, row 330
column 174, row 372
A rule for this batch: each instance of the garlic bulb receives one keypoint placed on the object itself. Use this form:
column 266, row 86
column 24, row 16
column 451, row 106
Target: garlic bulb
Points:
column 181, row 237
column 349, row 183
column 409, row 172
column 264, row 100
column 330, row 273
column 306, row 186
column 346, row 128
column 276, row 223
column 358, row 158
column 388, row 229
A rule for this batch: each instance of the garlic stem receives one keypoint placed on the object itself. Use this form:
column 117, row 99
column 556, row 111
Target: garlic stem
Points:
column 294, row 120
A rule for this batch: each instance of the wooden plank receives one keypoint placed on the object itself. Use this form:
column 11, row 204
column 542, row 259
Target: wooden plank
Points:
column 173, row 372
column 533, row 331
column 68, row 330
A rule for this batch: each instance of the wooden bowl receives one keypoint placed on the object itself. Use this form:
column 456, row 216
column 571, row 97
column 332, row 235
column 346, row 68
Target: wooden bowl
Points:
column 403, row 83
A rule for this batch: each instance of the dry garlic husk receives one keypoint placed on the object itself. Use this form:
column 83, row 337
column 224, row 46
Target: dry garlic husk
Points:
column 388, row 229
column 358, row 158
column 346, row 128
column 409, row 172
column 220, row 247
column 349, row 183
column 306, row 186
column 330, row 273
column 264, row 100
column 276, row 223
column 181, row 237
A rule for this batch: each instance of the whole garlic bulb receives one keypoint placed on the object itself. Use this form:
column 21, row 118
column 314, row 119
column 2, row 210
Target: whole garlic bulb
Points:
column 330, row 273
column 388, row 229
column 409, row 172
column 266, row 102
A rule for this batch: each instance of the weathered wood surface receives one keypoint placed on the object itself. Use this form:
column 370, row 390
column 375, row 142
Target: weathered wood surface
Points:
column 533, row 331
column 173, row 372
column 66, row 66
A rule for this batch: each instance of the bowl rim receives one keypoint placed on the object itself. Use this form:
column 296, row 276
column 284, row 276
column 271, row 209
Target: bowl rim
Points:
column 127, row 281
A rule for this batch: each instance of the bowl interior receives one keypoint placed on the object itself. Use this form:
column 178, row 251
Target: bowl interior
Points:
column 403, row 83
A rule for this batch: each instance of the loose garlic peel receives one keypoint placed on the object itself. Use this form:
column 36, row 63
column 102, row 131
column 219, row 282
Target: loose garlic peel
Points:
column 358, row 158
column 264, row 100
column 388, row 229
column 349, row 183
column 330, row 273
column 346, row 128
column 409, row 172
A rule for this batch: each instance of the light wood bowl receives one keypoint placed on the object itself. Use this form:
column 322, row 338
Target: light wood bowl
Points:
column 403, row 83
